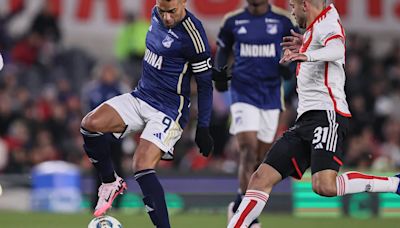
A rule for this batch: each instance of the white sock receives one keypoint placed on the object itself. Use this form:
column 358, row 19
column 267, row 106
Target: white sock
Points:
column 354, row 182
column 249, row 209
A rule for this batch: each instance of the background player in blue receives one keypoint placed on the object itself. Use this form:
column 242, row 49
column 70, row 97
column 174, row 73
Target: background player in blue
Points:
column 177, row 47
column 254, row 35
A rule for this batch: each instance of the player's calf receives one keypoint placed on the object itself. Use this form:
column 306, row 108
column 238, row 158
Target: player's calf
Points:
column 324, row 183
column 355, row 182
column 154, row 199
column 97, row 148
column 322, row 189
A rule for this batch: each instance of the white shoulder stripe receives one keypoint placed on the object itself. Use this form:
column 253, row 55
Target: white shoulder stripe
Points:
column 194, row 35
column 196, row 46
column 198, row 34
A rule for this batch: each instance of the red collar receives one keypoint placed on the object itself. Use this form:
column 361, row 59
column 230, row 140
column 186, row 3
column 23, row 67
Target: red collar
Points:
column 323, row 13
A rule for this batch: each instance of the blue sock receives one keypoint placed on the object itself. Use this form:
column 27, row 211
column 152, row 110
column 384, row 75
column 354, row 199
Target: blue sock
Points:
column 97, row 147
column 154, row 198
column 238, row 200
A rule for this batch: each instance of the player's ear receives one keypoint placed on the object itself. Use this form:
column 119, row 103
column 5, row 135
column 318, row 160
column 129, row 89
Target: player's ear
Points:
column 305, row 5
column 183, row 2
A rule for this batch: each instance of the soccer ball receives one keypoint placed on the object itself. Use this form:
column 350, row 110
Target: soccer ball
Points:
column 104, row 222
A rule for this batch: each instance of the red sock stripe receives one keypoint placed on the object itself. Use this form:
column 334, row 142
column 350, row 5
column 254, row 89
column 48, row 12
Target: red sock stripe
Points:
column 257, row 195
column 344, row 185
column 245, row 213
column 364, row 176
column 341, row 189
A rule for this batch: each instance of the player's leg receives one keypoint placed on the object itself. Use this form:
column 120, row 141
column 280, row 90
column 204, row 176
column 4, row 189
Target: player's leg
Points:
column 94, row 128
column 248, row 145
column 147, row 156
column 115, row 115
column 245, row 125
column 157, row 141
column 268, row 124
column 266, row 134
column 327, row 183
column 327, row 152
column 257, row 194
column 284, row 159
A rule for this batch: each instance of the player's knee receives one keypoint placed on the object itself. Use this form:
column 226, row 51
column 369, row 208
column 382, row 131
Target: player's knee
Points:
column 324, row 189
column 248, row 158
column 137, row 164
column 248, row 147
column 90, row 123
column 141, row 163
column 260, row 181
column 257, row 176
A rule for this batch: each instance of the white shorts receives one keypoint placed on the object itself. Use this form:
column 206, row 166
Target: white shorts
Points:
column 157, row 127
column 246, row 117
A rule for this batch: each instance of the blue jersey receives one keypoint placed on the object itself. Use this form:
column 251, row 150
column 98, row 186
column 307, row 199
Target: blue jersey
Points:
column 255, row 41
column 172, row 56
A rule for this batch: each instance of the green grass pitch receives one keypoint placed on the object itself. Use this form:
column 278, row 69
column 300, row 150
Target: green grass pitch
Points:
column 184, row 220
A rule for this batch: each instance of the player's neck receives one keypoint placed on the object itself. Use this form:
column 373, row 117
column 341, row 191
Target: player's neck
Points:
column 259, row 9
column 313, row 14
column 183, row 15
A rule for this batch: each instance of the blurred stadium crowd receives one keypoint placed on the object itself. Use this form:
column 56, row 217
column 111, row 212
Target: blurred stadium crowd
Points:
column 45, row 90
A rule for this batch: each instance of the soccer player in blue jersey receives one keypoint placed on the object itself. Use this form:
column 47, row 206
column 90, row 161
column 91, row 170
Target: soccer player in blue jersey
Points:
column 177, row 48
column 253, row 34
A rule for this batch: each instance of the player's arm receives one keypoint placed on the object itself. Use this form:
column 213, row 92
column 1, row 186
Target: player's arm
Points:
column 331, row 37
column 333, row 51
column 224, row 49
column 199, row 55
column 204, row 100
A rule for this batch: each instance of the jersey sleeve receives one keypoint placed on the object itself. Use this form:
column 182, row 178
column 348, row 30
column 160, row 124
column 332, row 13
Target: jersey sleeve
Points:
column 197, row 48
column 199, row 56
column 225, row 36
column 329, row 30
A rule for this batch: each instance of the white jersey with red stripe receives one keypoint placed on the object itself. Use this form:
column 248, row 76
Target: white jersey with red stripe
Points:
column 320, row 85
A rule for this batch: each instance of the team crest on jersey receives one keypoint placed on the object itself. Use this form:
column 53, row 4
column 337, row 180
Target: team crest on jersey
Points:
column 167, row 42
column 272, row 29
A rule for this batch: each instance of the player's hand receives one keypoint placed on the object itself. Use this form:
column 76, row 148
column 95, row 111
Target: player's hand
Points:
column 293, row 42
column 290, row 56
column 221, row 77
column 204, row 141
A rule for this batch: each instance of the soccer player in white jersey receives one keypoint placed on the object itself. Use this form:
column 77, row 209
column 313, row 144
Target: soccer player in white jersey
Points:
column 316, row 139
